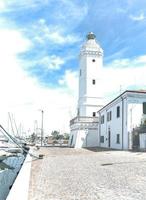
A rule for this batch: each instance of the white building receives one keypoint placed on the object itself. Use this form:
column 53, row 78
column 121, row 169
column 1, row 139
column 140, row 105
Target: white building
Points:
column 84, row 126
column 142, row 141
column 119, row 118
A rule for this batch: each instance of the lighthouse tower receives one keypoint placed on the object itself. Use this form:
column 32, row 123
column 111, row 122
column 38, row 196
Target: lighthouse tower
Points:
column 84, row 127
column 90, row 62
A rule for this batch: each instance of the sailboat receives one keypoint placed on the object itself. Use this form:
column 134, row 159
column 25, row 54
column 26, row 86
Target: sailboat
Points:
column 12, row 156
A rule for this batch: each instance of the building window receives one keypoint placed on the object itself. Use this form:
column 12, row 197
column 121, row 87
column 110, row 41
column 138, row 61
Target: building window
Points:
column 93, row 60
column 78, row 112
column 118, row 138
column 102, row 119
column 144, row 107
column 94, row 114
column 102, row 139
column 80, row 72
column 118, row 111
column 93, row 81
column 109, row 116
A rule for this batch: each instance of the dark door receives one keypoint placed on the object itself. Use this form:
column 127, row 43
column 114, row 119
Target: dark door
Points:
column 109, row 138
column 71, row 140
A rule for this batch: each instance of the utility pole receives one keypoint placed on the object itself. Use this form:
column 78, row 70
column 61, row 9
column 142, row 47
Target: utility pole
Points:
column 42, row 131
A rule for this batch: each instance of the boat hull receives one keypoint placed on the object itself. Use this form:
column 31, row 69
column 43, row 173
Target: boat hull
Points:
column 8, row 176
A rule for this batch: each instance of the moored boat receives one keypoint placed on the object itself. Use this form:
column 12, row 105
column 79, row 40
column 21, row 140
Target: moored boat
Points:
column 9, row 168
column 12, row 156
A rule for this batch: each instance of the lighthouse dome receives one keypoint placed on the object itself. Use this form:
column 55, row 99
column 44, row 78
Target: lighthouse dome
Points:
column 91, row 44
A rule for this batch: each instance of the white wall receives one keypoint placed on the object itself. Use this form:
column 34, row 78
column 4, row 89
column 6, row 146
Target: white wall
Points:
column 92, row 138
column 89, row 93
column 132, row 108
column 114, row 126
column 142, row 140
column 84, row 138
column 134, row 115
column 74, row 134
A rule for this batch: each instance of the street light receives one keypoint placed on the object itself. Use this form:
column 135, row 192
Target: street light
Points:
column 42, row 127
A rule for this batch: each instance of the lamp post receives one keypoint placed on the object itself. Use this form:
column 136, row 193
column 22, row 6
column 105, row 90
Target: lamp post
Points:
column 42, row 127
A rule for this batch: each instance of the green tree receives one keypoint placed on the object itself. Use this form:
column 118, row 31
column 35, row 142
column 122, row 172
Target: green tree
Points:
column 55, row 135
column 66, row 136
column 60, row 137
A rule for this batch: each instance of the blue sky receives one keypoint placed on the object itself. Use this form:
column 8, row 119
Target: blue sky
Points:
column 43, row 39
column 58, row 28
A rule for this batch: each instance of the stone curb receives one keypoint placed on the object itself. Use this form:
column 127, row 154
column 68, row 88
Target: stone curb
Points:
column 20, row 187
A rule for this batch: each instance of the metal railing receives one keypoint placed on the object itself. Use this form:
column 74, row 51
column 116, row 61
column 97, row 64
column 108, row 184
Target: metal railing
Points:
column 84, row 120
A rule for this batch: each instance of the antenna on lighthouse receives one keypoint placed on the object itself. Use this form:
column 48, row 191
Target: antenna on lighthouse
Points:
column 120, row 89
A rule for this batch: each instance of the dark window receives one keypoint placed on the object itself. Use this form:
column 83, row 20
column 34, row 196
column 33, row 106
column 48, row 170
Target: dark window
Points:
column 78, row 112
column 144, row 107
column 80, row 72
column 93, row 81
column 118, row 138
column 93, row 60
column 102, row 139
column 102, row 119
column 118, row 111
column 109, row 116
column 94, row 114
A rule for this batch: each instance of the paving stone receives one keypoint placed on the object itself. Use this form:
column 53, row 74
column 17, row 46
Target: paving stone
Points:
column 70, row 174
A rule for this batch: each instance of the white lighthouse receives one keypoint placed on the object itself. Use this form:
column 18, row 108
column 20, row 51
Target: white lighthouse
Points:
column 84, row 131
column 91, row 61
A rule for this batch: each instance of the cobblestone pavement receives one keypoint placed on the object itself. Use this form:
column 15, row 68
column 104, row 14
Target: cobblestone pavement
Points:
column 69, row 174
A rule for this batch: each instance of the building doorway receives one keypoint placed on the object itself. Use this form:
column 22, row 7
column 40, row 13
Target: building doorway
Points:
column 109, row 138
column 71, row 140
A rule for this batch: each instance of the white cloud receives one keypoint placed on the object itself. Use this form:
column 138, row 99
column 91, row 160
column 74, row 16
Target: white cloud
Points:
column 12, row 43
column 53, row 34
column 52, row 62
column 2, row 5
column 11, row 5
column 123, row 74
column 22, row 95
column 72, row 11
column 139, row 17
column 46, row 63
column 70, row 80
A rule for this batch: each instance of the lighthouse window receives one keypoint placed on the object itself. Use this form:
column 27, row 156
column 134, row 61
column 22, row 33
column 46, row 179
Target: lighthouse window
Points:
column 93, row 60
column 93, row 81
column 94, row 114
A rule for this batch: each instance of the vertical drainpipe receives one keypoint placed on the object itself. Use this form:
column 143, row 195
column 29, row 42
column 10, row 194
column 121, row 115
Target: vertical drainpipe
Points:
column 122, row 122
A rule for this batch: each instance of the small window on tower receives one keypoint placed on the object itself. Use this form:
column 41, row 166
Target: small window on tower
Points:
column 93, row 81
column 94, row 114
column 80, row 72
column 93, row 60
